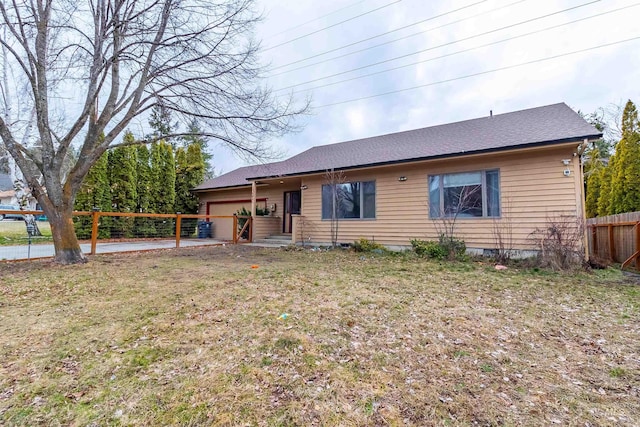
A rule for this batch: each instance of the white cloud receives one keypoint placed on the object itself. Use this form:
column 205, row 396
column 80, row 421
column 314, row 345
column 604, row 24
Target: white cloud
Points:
column 585, row 81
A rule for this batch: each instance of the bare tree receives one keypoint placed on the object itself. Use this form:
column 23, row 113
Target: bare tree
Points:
column 92, row 67
column 464, row 202
column 334, row 181
column 503, row 232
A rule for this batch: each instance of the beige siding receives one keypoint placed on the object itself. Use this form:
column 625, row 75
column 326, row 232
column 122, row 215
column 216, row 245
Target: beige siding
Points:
column 227, row 202
column 264, row 226
column 532, row 185
column 222, row 228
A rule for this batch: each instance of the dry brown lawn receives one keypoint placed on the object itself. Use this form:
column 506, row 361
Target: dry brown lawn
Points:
column 196, row 337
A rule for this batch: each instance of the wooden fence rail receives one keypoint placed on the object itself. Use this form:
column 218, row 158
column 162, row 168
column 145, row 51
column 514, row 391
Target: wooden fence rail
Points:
column 236, row 233
column 616, row 238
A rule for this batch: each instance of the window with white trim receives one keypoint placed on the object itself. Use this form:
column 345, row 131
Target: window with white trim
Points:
column 350, row 200
column 465, row 195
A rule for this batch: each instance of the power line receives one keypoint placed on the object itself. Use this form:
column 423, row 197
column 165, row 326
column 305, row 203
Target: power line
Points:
column 314, row 19
column 332, row 25
column 469, row 49
column 508, row 67
column 398, row 29
column 438, row 46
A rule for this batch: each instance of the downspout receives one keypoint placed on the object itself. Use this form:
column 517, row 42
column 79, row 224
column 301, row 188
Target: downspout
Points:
column 583, row 200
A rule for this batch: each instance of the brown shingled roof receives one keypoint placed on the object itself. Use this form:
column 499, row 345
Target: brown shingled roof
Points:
column 551, row 124
column 237, row 177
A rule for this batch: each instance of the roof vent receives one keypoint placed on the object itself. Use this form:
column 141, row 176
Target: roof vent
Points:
column 490, row 113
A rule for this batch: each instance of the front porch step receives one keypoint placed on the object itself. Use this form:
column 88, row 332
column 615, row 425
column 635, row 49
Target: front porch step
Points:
column 279, row 237
column 274, row 242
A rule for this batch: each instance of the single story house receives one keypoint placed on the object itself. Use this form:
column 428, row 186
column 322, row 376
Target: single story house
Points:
column 509, row 171
column 7, row 192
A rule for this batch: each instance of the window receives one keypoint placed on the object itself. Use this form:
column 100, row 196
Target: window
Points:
column 351, row 200
column 465, row 195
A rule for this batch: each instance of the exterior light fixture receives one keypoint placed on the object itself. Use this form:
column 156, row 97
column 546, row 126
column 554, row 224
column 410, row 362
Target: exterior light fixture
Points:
column 303, row 187
column 402, row 178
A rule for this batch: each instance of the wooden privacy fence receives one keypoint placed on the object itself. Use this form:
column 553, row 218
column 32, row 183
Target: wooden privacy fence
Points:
column 616, row 238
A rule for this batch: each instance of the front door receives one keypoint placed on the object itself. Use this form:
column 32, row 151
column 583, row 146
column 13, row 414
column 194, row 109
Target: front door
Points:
column 292, row 203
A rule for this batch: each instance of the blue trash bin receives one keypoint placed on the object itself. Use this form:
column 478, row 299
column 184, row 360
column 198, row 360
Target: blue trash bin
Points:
column 205, row 229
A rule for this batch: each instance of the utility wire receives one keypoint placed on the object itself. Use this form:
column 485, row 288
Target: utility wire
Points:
column 314, row 20
column 508, row 67
column 435, row 47
column 396, row 30
column 468, row 50
column 332, row 25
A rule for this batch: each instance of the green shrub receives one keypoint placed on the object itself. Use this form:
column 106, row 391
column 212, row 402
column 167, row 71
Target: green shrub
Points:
column 245, row 212
column 455, row 248
column 429, row 249
column 446, row 247
column 366, row 245
column 259, row 211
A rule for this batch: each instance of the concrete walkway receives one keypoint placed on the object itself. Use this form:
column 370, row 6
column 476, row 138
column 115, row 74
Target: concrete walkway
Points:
column 13, row 253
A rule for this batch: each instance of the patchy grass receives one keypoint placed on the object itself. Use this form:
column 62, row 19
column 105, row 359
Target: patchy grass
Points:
column 196, row 337
column 15, row 233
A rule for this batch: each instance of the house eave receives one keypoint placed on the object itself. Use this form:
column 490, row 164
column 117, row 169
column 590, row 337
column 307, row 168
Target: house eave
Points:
column 228, row 187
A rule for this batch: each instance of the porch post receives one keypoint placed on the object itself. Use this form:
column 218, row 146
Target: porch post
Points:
column 254, row 191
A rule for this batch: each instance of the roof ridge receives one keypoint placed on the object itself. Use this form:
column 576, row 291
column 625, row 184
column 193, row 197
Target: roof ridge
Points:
column 438, row 125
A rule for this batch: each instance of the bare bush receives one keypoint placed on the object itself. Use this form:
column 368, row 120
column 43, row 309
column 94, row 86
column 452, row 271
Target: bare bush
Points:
column 502, row 231
column 560, row 243
column 305, row 228
column 335, row 179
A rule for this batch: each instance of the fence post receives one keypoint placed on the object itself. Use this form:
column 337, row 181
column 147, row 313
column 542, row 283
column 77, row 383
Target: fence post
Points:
column 94, row 230
column 638, row 245
column 612, row 244
column 235, row 229
column 594, row 240
column 178, row 225
column 251, row 230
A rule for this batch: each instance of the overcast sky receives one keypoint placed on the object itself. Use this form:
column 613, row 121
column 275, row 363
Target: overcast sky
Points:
column 430, row 51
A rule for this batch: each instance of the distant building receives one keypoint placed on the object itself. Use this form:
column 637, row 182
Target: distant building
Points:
column 7, row 192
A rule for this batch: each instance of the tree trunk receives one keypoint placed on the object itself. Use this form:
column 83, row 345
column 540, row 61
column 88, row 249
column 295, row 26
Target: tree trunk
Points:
column 64, row 238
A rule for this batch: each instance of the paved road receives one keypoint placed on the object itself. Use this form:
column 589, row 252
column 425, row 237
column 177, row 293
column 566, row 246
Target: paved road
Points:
column 46, row 250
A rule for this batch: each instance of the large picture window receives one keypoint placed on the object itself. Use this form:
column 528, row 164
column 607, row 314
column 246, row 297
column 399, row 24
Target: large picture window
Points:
column 351, row 200
column 465, row 195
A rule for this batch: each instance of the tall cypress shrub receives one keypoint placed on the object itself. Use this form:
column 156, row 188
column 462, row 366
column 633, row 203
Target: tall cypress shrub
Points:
column 190, row 170
column 163, row 179
column 123, row 180
column 143, row 227
column 94, row 194
column 625, row 180
column 604, row 199
column 593, row 193
column 194, row 138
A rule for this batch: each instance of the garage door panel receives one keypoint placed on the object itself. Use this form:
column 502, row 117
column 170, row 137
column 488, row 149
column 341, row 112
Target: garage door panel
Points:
column 230, row 207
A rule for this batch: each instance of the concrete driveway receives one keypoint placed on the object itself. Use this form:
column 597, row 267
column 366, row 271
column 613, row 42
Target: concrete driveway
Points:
column 12, row 253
